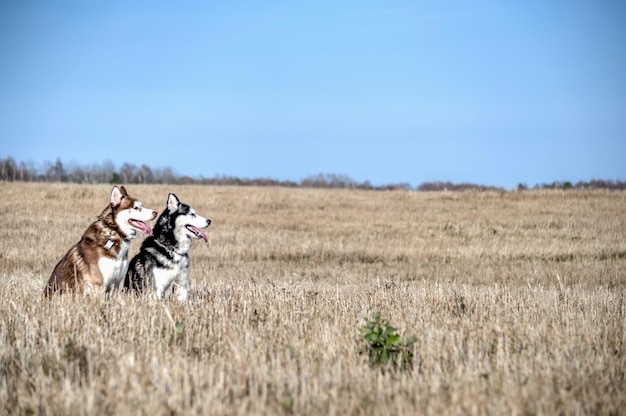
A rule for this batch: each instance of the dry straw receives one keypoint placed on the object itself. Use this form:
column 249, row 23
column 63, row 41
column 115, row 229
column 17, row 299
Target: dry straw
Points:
column 516, row 300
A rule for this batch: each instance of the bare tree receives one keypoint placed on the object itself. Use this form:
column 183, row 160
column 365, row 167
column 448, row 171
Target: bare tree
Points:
column 10, row 169
column 22, row 172
column 55, row 172
column 145, row 175
column 128, row 173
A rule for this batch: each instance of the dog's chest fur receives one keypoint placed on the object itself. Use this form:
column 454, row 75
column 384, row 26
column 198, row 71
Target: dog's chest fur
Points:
column 114, row 267
column 173, row 268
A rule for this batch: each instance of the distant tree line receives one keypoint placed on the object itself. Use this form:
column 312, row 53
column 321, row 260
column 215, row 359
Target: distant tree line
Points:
column 565, row 185
column 128, row 173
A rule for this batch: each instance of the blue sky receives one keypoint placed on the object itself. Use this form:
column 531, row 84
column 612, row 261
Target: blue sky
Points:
column 489, row 92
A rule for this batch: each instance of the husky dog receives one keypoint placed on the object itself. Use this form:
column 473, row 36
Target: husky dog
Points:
column 100, row 259
column 163, row 261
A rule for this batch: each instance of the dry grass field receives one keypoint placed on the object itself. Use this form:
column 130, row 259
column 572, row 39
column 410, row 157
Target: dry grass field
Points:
column 517, row 301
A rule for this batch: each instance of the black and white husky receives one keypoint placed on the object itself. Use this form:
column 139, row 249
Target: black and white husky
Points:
column 163, row 261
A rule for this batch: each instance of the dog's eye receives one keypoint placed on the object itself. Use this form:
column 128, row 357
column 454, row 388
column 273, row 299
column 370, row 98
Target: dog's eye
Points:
column 193, row 214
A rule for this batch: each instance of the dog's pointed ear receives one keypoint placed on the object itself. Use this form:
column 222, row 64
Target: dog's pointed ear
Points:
column 172, row 202
column 116, row 196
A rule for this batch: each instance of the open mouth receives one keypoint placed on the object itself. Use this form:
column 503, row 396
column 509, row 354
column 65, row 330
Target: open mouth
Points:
column 197, row 233
column 140, row 225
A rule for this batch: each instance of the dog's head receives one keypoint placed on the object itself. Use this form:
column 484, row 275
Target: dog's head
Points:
column 182, row 220
column 129, row 213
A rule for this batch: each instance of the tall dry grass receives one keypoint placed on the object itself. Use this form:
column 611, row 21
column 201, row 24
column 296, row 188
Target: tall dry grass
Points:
column 517, row 301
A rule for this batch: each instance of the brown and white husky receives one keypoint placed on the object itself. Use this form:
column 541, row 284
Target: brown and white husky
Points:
column 98, row 262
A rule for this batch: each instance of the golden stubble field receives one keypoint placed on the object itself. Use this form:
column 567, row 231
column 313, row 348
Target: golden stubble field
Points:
column 517, row 301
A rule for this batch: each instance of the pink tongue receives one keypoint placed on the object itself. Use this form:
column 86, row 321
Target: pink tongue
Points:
column 198, row 233
column 141, row 226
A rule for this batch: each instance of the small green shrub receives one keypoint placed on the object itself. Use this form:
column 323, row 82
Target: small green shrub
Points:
column 385, row 348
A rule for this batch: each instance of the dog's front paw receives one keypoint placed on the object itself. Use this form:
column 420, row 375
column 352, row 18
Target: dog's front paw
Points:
column 181, row 294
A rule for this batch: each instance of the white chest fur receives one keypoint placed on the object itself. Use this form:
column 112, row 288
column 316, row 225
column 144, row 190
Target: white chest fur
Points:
column 176, row 273
column 114, row 269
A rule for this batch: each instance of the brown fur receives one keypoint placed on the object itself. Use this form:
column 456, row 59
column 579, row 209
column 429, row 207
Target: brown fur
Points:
column 78, row 269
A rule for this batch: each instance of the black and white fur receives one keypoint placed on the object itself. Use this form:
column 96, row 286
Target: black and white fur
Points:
column 163, row 261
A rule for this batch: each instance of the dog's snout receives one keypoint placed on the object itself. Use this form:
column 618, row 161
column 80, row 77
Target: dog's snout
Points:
column 154, row 214
column 208, row 222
